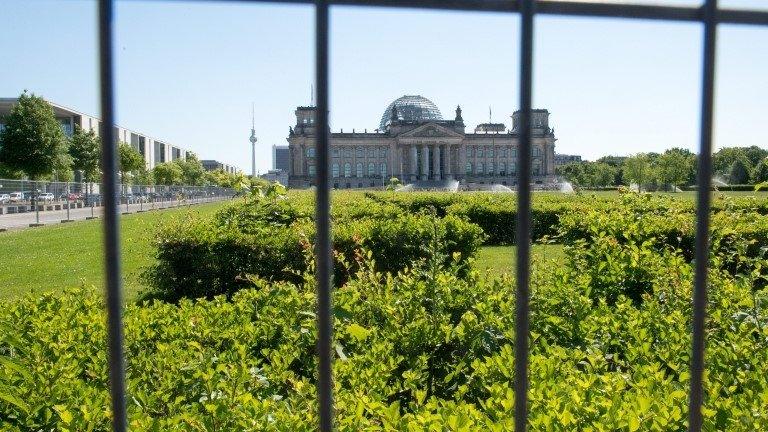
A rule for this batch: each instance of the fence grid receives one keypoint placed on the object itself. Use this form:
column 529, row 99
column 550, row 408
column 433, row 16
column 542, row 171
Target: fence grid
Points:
column 709, row 15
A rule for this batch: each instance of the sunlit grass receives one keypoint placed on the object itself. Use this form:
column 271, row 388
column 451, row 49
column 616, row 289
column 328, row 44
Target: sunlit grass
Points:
column 65, row 255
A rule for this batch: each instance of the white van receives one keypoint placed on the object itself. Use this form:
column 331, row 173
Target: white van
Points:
column 17, row 197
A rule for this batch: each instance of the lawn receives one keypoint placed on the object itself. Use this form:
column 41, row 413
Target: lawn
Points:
column 498, row 260
column 65, row 255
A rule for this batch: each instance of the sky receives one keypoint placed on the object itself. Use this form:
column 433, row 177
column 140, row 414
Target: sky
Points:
column 188, row 72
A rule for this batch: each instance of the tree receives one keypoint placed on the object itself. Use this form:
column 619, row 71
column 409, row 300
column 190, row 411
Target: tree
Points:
column 601, row 174
column 739, row 172
column 192, row 171
column 675, row 167
column 129, row 160
column 760, row 174
column 167, row 173
column 33, row 141
column 144, row 177
column 723, row 159
column 638, row 169
column 85, row 150
column 755, row 155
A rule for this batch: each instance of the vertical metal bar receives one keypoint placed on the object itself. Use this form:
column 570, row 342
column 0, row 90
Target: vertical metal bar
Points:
column 523, row 234
column 323, row 221
column 111, row 220
column 702, row 217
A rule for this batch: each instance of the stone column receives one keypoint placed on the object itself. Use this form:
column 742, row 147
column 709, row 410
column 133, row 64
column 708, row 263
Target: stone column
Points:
column 424, row 162
column 414, row 170
column 448, row 169
column 436, row 161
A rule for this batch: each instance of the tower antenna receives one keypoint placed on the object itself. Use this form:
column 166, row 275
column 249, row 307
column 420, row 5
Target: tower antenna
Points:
column 311, row 95
column 253, row 140
column 490, row 116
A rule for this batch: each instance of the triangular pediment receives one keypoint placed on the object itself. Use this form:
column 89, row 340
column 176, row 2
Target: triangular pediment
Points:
column 431, row 130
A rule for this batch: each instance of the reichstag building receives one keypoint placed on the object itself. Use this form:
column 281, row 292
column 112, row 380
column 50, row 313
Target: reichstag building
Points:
column 415, row 144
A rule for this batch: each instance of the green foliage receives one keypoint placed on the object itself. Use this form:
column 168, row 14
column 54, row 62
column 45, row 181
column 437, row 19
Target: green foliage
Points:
column 424, row 349
column 269, row 238
column 675, row 167
column 32, row 141
column 129, row 161
column 739, row 173
column 760, row 174
column 589, row 174
column 85, row 150
column 167, row 173
column 192, row 171
column 638, row 169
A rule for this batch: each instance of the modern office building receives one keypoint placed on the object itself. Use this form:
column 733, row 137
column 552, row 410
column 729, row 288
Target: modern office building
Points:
column 280, row 157
column 415, row 144
column 213, row 165
column 565, row 159
column 154, row 151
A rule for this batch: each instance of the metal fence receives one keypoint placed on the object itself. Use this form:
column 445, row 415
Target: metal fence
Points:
column 33, row 203
column 709, row 15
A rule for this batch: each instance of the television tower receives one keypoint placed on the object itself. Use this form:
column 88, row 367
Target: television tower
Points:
column 253, row 142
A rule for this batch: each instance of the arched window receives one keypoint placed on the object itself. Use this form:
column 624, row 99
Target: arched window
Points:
column 359, row 152
column 336, row 170
column 502, row 168
column 310, row 152
column 506, row 152
column 359, row 169
column 490, row 168
column 383, row 170
column 480, row 167
column 469, row 168
column 371, row 152
column 479, row 152
column 371, row 169
column 469, row 151
column 347, row 169
column 490, row 152
column 311, row 170
column 536, row 151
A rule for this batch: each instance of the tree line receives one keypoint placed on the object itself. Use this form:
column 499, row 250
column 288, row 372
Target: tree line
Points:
column 33, row 145
column 675, row 168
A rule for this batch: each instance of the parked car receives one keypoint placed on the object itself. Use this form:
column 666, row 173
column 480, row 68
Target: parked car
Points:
column 17, row 197
column 47, row 196
column 5, row 198
column 73, row 196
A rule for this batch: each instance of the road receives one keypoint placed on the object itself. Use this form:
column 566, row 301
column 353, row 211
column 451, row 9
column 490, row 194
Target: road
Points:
column 23, row 220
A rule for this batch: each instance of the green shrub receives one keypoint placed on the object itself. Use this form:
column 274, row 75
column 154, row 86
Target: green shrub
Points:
column 204, row 258
column 421, row 350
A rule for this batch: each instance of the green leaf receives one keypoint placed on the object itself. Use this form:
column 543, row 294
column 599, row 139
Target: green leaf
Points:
column 15, row 366
column 357, row 331
column 6, row 395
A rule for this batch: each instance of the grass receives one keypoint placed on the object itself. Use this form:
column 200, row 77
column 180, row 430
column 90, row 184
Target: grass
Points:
column 498, row 260
column 66, row 255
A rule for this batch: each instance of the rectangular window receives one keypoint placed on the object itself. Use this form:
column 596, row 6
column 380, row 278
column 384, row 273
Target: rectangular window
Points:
column 359, row 153
column 479, row 152
column 371, row 153
column 311, row 170
column 335, row 152
column 469, row 151
column 383, row 152
column 490, row 152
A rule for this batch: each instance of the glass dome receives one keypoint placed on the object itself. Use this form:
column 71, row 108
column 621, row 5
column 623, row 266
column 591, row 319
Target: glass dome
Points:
column 411, row 108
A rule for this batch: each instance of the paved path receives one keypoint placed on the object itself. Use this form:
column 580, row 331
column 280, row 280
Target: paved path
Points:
column 23, row 220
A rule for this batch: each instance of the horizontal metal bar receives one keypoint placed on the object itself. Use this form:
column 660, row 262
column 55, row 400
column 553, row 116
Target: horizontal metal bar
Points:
column 551, row 7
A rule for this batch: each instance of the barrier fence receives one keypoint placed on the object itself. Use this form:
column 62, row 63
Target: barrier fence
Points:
column 709, row 15
column 23, row 201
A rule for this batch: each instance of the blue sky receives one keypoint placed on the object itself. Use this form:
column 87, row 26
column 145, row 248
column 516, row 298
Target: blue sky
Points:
column 188, row 72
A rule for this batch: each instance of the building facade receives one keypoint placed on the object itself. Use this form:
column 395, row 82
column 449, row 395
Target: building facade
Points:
column 213, row 165
column 153, row 150
column 415, row 144
column 565, row 159
column 280, row 157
